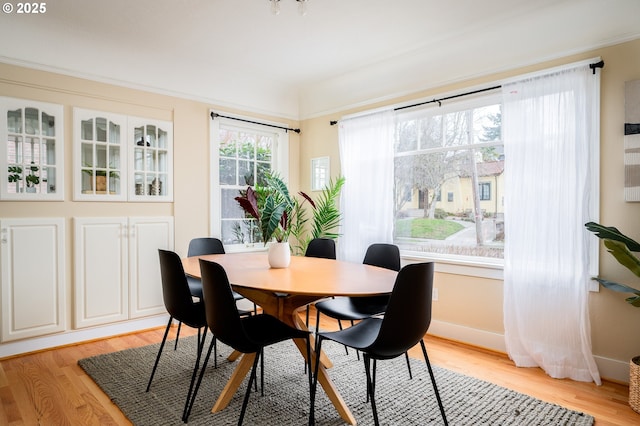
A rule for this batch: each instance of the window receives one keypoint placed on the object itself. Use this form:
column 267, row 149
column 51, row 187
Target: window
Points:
column 484, row 190
column 454, row 150
column 242, row 154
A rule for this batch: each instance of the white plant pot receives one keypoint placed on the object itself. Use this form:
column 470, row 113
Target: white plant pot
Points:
column 279, row 255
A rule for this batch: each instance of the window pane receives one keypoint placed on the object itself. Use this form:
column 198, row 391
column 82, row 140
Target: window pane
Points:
column 14, row 121
column 101, row 129
column 227, row 172
column 264, row 148
column 408, row 136
column 431, row 132
column 247, row 147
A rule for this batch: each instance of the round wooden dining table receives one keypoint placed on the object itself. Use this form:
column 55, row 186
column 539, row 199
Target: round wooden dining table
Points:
column 282, row 292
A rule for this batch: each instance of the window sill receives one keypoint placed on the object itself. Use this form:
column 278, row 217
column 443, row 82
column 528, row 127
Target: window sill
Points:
column 484, row 267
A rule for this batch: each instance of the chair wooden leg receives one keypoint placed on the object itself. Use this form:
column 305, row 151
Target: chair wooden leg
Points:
column 433, row 382
column 155, row 365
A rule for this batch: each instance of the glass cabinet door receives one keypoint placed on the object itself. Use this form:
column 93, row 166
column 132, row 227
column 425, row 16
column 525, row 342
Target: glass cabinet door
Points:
column 100, row 156
column 151, row 150
column 31, row 151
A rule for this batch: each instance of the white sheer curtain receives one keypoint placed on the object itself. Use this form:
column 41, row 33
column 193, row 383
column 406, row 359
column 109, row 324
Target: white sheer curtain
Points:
column 366, row 199
column 550, row 132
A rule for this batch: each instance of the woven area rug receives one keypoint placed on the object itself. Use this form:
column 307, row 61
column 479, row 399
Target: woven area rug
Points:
column 123, row 376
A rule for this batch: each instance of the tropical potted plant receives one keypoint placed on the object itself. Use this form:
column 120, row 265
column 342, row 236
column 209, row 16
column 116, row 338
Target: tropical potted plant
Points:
column 280, row 215
column 271, row 206
column 623, row 249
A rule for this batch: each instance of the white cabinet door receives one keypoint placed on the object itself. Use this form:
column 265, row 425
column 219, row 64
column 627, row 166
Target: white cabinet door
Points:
column 31, row 150
column 33, row 280
column 101, row 262
column 117, row 271
column 99, row 156
column 150, row 160
column 146, row 236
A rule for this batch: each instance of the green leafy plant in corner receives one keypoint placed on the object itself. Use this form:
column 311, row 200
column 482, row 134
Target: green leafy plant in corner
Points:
column 622, row 248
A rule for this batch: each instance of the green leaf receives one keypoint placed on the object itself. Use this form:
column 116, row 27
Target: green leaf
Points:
column 270, row 217
column 623, row 255
column 634, row 300
column 611, row 233
column 326, row 216
column 621, row 288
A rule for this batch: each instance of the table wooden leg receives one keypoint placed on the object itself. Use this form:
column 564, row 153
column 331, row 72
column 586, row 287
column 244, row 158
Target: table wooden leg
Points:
column 236, row 379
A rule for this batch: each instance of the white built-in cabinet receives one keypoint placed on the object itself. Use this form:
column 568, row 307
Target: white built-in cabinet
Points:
column 32, row 260
column 120, row 158
column 117, row 271
column 31, row 150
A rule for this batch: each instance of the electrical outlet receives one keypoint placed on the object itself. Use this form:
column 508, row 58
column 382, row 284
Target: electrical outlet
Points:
column 434, row 295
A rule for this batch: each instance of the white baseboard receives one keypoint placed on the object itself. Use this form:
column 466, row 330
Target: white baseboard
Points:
column 611, row 369
column 76, row 336
column 471, row 336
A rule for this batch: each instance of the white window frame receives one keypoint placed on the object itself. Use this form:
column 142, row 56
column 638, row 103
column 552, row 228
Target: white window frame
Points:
column 280, row 165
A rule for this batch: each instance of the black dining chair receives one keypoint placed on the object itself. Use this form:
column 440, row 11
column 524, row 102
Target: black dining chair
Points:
column 200, row 247
column 249, row 335
column 405, row 322
column 357, row 308
column 324, row 248
column 181, row 307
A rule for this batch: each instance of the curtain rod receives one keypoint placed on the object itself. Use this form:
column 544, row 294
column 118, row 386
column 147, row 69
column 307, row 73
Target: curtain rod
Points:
column 214, row 115
column 439, row 101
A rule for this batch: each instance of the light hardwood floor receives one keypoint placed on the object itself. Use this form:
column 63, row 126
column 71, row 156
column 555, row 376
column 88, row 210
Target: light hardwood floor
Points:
column 48, row 388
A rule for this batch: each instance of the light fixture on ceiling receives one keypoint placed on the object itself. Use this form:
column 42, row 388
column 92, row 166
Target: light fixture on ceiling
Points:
column 302, row 7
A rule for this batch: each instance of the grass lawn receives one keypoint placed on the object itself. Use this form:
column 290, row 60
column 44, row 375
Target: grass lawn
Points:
column 434, row 229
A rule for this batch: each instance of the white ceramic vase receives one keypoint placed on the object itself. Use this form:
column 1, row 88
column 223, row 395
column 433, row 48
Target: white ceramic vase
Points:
column 279, row 255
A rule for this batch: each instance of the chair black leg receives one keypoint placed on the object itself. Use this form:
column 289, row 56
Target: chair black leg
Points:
column 195, row 372
column 433, row 381
column 314, row 387
column 261, row 372
column 371, row 386
column 346, row 350
column 213, row 345
column 406, row 356
column 246, row 395
column 177, row 335
column 357, row 351
column 155, row 365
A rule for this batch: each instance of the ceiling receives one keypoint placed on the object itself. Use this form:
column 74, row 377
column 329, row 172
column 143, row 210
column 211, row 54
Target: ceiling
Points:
column 343, row 53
